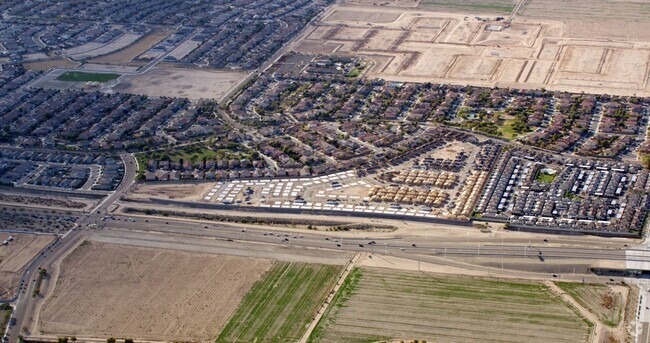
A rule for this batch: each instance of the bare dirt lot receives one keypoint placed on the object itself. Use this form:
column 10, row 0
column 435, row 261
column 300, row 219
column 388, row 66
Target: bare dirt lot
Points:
column 14, row 258
column 444, row 42
column 152, row 294
column 177, row 82
column 132, row 51
column 56, row 63
column 177, row 191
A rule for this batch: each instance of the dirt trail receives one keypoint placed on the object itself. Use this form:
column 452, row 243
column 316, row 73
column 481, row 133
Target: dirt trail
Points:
column 328, row 301
column 597, row 333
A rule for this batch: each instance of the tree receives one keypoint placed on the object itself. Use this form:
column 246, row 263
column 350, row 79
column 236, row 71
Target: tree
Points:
column 111, row 340
column 128, row 340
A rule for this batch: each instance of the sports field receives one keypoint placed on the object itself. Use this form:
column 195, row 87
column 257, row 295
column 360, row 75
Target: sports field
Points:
column 76, row 76
column 280, row 306
column 387, row 305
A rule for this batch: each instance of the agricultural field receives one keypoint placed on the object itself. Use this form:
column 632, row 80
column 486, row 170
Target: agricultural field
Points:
column 378, row 304
column 604, row 301
column 462, row 42
column 280, row 306
column 77, row 76
column 472, row 6
column 150, row 294
column 15, row 256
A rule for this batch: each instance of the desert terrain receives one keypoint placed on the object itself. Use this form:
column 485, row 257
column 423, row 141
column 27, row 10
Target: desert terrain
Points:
column 145, row 293
column 178, row 191
column 15, row 256
column 177, row 82
column 534, row 48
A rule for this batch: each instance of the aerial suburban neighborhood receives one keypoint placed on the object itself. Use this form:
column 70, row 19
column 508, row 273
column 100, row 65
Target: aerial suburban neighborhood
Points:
column 324, row 171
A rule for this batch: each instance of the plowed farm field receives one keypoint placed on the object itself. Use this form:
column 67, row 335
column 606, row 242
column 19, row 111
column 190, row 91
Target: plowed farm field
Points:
column 377, row 304
column 150, row 294
column 280, row 307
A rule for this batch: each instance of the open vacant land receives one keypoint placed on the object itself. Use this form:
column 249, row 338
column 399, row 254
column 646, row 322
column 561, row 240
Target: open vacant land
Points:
column 175, row 82
column 56, row 63
column 377, row 304
column 280, row 306
column 76, row 76
column 128, row 53
column 153, row 294
column 605, row 301
column 178, row 191
column 14, row 258
column 448, row 44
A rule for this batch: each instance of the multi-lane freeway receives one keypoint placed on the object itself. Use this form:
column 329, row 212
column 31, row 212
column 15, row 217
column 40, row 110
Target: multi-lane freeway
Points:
column 155, row 231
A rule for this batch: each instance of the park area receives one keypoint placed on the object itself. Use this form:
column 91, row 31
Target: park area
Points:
column 280, row 306
column 106, row 290
column 77, row 76
column 386, row 305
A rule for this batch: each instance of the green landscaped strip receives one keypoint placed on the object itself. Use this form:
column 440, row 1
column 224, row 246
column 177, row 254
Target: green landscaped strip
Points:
column 280, row 306
column 470, row 6
column 76, row 76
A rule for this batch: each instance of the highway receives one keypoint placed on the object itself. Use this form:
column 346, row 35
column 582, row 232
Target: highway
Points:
column 556, row 247
column 175, row 232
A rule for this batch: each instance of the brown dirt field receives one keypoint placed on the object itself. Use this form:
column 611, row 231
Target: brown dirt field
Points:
column 132, row 51
column 539, row 49
column 15, row 256
column 377, row 16
column 181, row 82
column 151, row 294
column 45, row 65
column 177, row 191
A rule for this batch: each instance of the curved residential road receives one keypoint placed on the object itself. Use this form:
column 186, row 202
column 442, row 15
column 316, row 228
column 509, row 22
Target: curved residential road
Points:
column 26, row 302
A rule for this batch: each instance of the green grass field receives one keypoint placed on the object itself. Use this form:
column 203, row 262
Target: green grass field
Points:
column 488, row 6
column 599, row 299
column 505, row 127
column 280, row 306
column 387, row 305
column 545, row 178
column 77, row 76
